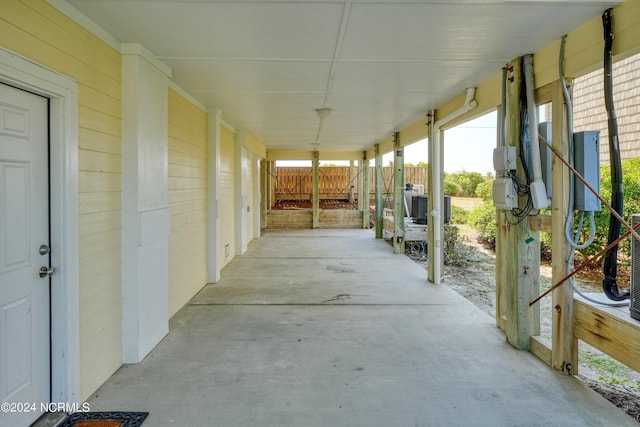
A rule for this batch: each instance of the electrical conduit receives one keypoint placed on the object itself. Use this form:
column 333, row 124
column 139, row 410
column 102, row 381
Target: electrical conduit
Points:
column 538, row 191
column 609, row 285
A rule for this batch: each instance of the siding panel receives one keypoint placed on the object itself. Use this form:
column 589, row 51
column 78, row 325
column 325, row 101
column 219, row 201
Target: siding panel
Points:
column 187, row 200
column 590, row 112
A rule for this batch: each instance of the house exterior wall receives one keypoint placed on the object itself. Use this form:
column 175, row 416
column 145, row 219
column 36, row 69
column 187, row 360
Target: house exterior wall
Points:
column 227, row 195
column 39, row 32
column 590, row 113
column 187, row 200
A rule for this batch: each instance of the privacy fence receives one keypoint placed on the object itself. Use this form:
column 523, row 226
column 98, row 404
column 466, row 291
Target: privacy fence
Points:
column 338, row 182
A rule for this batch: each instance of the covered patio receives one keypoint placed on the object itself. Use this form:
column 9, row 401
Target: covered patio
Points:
column 329, row 328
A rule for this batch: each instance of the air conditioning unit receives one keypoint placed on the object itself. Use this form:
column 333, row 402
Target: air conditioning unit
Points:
column 634, row 305
column 419, row 209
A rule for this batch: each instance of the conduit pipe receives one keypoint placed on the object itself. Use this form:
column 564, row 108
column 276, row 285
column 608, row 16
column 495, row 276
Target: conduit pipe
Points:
column 538, row 191
column 502, row 135
column 436, row 165
column 609, row 285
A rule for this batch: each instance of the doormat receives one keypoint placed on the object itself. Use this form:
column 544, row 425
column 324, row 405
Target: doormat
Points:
column 105, row 419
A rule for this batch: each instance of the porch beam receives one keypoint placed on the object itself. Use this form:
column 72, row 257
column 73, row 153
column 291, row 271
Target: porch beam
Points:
column 398, row 195
column 308, row 155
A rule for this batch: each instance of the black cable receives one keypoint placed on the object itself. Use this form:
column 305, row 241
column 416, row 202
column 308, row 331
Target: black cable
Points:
column 524, row 129
column 609, row 285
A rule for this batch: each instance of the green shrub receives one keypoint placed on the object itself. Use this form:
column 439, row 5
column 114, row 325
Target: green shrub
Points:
column 484, row 190
column 456, row 251
column 631, row 185
column 458, row 215
column 483, row 219
column 451, row 188
column 468, row 181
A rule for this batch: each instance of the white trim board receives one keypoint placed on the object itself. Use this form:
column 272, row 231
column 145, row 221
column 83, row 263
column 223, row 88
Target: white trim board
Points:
column 62, row 91
column 85, row 22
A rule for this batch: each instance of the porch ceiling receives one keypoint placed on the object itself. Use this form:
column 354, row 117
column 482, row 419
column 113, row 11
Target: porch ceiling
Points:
column 378, row 64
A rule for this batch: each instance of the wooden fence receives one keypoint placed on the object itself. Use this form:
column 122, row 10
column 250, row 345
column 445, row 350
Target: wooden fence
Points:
column 296, row 183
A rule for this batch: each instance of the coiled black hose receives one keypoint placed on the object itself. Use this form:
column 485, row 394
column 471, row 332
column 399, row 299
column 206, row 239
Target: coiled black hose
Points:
column 610, row 270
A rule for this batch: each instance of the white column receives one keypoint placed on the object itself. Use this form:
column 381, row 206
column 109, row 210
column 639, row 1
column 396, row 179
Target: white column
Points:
column 256, row 206
column 214, row 121
column 145, row 202
column 242, row 200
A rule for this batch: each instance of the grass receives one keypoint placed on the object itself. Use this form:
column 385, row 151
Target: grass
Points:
column 608, row 369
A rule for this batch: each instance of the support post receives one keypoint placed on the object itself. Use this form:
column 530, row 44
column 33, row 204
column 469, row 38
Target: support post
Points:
column 365, row 190
column 360, row 186
column 315, row 195
column 379, row 191
column 241, row 184
column 352, row 183
column 146, row 216
column 398, row 195
column 272, row 171
column 214, row 120
column 564, row 347
column 501, row 262
column 264, row 191
column 522, row 255
column 435, row 193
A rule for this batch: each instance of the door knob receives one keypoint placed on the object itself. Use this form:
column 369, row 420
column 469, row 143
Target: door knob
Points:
column 46, row 271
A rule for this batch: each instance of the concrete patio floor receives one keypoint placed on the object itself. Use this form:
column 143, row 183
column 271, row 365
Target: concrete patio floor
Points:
column 329, row 328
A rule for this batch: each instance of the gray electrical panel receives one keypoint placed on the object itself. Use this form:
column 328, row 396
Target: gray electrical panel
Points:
column 546, row 156
column 586, row 160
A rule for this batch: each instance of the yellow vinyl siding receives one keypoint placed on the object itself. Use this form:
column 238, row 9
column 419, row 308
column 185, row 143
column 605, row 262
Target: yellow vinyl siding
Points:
column 253, row 144
column 39, row 32
column 227, row 196
column 187, row 200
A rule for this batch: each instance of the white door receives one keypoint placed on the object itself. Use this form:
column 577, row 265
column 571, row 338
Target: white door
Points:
column 24, row 228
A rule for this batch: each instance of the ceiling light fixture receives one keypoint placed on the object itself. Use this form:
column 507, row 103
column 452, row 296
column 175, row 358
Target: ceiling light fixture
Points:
column 323, row 113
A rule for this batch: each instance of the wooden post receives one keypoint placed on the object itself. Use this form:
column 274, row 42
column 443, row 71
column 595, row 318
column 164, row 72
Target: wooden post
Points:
column 365, row 190
column 272, row 173
column 351, row 182
column 379, row 195
column 360, row 186
column 522, row 256
column 264, row 190
column 435, row 175
column 315, row 194
column 564, row 347
column 398, row 195
column 501, row 265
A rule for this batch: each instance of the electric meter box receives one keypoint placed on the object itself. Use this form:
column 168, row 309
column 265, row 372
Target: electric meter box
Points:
column 586, row 160
column 504, row 158
column 504, row 194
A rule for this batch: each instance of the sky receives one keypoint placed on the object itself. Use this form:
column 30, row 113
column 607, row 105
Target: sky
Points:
column 467, row 147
